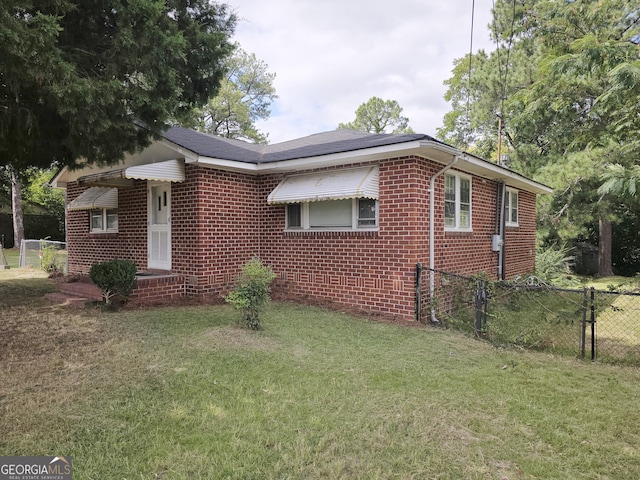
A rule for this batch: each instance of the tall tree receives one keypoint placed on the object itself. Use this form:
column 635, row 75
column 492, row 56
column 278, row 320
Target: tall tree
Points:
column 577, row 105
column 379, row 116
column 16, row 203
column 245, row 96
column 79, row 79
column 85, row 82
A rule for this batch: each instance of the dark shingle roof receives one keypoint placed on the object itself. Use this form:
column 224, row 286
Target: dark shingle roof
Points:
column 336, row 141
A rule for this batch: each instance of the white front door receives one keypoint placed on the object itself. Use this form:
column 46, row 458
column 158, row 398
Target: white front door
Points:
column 159, row 230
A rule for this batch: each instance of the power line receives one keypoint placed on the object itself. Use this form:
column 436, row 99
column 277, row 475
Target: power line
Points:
column 473, row 10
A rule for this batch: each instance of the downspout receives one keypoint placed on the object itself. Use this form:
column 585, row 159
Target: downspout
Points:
column 501, row 219
column 432, row 193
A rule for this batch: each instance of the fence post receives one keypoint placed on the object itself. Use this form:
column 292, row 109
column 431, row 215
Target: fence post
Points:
column 583, row 336
column 593, row 324
column 418, row 293
column 479, row 306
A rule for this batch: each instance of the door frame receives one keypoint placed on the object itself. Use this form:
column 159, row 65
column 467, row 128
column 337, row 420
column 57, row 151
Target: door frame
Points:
column 158, row 228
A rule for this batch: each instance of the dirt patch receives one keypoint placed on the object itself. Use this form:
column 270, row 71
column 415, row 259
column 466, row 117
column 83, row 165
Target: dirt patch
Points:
column 21, row 273
column 29, row 332
column 233, row 337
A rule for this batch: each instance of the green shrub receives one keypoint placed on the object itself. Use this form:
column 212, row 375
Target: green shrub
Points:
column 114, row 278
column 50, row 261
column 252, row 292
column 553, row 266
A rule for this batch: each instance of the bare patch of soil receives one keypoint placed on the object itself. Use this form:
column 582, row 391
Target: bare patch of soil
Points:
column 231, row 337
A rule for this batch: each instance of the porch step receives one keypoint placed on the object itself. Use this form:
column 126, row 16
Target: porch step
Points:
column 65, row 299
column 75, row 293
column 81, row 290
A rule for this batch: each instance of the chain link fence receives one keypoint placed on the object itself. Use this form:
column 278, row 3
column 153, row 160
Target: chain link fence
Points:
column 47, row 255
column 527, row 313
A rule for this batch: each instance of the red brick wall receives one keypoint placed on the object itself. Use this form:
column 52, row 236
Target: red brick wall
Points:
column 520, row 241
column 214, row 221
column 468, row 253
column 215, row 227
column 158, row 289
column 376, row 270
column 129, row 243
column 221, row 219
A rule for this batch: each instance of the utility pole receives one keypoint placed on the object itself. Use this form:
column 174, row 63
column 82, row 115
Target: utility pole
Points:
column 499, row 162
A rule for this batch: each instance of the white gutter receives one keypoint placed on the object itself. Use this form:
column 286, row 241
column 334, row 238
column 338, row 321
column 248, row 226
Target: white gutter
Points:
column 432, row 193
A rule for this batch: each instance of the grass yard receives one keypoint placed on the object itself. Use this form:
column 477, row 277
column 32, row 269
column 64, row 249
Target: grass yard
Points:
column 182, row 393
column 12, row 256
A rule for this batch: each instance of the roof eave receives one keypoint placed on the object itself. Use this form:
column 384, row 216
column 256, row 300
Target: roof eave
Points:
column 493, row 171
column 307, row 163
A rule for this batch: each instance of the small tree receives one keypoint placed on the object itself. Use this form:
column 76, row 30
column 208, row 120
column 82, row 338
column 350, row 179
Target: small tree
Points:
column 50, row 262
column 114, row 278
column 252, row 292
column 377, row 116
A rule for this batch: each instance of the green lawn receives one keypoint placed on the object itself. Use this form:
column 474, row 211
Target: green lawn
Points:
column 182, row 393
column 12, row 256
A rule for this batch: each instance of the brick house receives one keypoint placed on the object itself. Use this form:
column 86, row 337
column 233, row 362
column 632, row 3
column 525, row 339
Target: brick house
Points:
column 342, row 216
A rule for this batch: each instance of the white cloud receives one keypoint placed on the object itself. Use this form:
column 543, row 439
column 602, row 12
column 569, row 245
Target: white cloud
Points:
column 330, row 56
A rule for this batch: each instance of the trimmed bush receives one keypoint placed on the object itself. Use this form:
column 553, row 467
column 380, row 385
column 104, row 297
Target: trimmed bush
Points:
column 252, row 292
column 114, row 278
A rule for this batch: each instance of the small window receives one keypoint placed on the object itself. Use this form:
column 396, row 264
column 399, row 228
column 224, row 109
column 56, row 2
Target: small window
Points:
column 103, row 220
column 367, row 212
column 511, row 208
column 294, row 215
column 457, row 202
column 336, row 215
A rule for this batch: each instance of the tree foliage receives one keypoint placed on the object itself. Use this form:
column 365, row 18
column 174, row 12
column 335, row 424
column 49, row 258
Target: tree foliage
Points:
column 564, row 77
column 245, row 96
column 379, row 116
column 78, row 79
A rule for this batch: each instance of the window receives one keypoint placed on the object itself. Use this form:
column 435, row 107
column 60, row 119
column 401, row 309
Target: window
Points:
column 294, row 215
column 103, row 220
column 457, row 202
column 367, row 212
column 337, row 215
column 511, row 207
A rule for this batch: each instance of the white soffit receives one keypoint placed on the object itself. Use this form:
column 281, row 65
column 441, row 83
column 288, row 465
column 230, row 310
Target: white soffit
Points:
column 95, row 197
column 329, row 185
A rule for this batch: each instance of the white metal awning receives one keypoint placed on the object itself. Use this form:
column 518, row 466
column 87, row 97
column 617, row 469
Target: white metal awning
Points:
column 329, row 185
column 167, row 171
column 95, row 197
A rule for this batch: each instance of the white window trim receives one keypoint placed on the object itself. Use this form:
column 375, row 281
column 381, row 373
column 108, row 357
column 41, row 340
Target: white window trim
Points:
column 510, row 193
column 104, row 221
column 304, row 217
column 457, row 227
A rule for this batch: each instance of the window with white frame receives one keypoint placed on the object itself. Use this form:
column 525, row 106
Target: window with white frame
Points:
column 511, row 207
column 336, row 215
column 103, row 220
column 457, row 202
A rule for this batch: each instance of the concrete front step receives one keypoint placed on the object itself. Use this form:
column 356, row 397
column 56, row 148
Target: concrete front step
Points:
column 81, row 290
column 63, row 298
column 76, row 294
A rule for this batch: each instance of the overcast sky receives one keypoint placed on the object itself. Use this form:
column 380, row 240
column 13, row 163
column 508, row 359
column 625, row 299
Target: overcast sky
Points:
column 330, row 56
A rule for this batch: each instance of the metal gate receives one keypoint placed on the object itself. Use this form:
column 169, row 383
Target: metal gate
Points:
column 585, row 323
